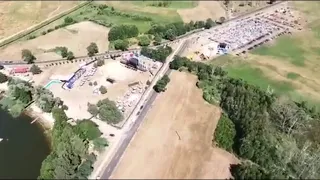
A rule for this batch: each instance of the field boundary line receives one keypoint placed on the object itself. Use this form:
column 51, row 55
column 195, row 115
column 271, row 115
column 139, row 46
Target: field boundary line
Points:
column 23, row 33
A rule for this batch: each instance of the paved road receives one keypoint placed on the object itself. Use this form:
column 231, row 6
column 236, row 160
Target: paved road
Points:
column 132, row 130
column 10, row 62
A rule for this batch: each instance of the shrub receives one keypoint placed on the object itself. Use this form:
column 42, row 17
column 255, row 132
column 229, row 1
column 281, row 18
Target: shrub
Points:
column 100, row 62
column 144, row 40
column 95, row 83
column 87, row 129
column 93, row 109
column 121, row 45
column 70, row 55
column 100, row 143
column 35, row 69
column 109, row 112
column 103, row 90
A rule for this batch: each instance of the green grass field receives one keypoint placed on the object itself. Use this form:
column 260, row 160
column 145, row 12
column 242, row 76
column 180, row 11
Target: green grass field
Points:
column 109, row 18
column 256, row 77
column 285, row 48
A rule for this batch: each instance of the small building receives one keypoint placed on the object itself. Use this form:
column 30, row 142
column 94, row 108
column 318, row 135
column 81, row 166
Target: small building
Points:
column 19, row 70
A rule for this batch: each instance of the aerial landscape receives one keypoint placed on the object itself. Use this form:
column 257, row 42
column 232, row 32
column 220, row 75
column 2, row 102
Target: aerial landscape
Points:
column 159, row 89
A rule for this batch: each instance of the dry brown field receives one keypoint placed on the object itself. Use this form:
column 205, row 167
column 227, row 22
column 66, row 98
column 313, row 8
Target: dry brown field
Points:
column 157, row 152
column 16, row 16
column 76, row 38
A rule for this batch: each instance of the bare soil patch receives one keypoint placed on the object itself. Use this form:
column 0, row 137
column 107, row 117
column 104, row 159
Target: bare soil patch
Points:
column 76, row 38
column 204, row 10
column 157, row 152
column 16, row 16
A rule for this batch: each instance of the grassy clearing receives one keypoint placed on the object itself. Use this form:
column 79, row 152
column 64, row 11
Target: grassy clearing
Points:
column 285, row 48
column 292, row 75
column 255, row 76
column 131, row 15
column 172, row 4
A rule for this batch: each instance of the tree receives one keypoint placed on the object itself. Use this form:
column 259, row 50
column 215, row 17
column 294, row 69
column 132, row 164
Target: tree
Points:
column 209, row 23
column 63, row 51
column 121, row 44
column 3, row 78
column 157, row 40
column 123, row 32
column 100, row 143
column 70, row 55
column 103, row 90
column 92, row 49
column 109, row 112
column 144, row 40
column 93, row 109
column 100, row 62
column 27, row 56
column 87, row 129
column 35, row 69
column 161, row 84
column 68, row 20
column 170, row 34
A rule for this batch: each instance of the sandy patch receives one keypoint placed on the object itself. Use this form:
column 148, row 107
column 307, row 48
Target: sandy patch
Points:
column 76, row 38
column 157, row 152
column 16, row 16
column 204, row 10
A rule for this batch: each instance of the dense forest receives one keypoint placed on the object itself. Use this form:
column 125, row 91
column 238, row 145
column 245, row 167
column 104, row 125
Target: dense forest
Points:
column 274, row 136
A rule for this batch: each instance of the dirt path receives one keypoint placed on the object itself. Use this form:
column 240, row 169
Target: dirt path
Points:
column 157, row 152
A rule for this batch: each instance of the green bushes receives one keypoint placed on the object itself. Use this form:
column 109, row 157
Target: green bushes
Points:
column 144, row 41
column 159, row 54
column 161, row 84
column 69, row 158
column 63, row 51
column 92, row 49
column 87, row 129
column 121, row 44
column 172, row 30
column 106, row 110
column 28, row 56
column 225, row 133
column 122, row 32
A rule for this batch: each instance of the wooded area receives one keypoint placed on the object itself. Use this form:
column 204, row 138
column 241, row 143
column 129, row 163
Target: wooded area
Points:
column 276, row 137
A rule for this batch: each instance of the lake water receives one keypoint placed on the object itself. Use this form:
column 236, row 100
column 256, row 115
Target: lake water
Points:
column 23, row 148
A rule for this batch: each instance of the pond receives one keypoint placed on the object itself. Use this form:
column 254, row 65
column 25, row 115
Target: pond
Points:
column 23, row 147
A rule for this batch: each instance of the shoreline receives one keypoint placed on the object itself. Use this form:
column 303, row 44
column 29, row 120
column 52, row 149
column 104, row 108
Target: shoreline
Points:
column 45, row 120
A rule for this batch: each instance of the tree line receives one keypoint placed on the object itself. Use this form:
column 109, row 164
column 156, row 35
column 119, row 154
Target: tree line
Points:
column 275, row 137
column 159, row 54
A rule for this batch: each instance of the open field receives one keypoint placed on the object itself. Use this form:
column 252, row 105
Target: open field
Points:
column 76, row 38
column 289, row 65
column 16, row 16
column 204, row 10
column 157, row 152
column 240, row 7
